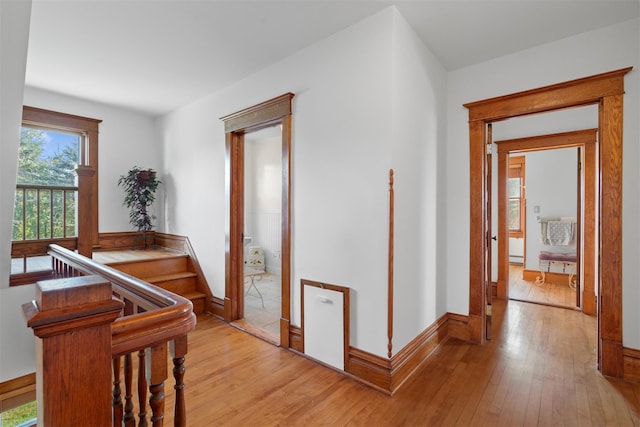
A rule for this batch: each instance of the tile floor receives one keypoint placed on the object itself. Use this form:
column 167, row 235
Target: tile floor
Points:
column 266, row 318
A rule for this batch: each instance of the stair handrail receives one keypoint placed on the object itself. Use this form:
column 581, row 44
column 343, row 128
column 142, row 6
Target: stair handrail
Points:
column 166, row 314
column 145, row 322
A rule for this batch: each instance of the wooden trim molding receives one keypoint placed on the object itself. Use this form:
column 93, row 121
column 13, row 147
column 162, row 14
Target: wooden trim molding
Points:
column 182, row 243
column 215, row 306
column 390, row 269
column 631, row 364
column 370, row 369
column 458, row 326
column 388, row 375
column 605, row 90
column 583, row 91
column 260, row 115
column 295, row 339
column 586, row 139
column 88, row 155
column 275, row 111
column 17, row 392
column 406, row 361
column 123, row 239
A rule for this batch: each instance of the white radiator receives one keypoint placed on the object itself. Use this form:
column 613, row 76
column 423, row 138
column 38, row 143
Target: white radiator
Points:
column 324, row 325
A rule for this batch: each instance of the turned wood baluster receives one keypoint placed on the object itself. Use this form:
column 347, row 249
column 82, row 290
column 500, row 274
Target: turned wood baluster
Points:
column 157, row 376
column 156, row 402
column 142, row 389
column 179, row 350
column 117, row 393
column 129, row 417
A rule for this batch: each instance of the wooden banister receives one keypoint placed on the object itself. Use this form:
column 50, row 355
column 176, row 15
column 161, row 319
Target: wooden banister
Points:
column 152, row 322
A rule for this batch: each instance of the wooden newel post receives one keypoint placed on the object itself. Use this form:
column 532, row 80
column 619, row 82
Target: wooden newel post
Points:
column 71, row 319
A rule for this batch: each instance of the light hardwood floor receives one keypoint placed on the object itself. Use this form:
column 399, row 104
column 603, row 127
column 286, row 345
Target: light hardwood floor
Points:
column 540, row 369
column 558, row 294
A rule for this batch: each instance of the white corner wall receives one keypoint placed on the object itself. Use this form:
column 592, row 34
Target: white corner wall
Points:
column 594, row 52
column 17, row 356
column 344, row 143
column 419, row 103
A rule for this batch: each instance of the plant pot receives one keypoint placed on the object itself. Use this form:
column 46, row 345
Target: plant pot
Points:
column 146, row 176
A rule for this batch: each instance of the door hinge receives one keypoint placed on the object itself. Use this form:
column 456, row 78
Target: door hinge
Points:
column 488, row 310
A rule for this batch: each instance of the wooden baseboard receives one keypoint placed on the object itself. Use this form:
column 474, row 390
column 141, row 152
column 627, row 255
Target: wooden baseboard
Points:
column 458, row 326
column 215, row 306
column 123, row 240
column 388, row 375
column 631, row 364
column 17, row 392
column 171, row 241
column 295, row 339
column 370, row 369
column 408, row 359
column 550, row 277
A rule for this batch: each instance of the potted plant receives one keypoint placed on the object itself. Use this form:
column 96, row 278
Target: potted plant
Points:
column 140, row 187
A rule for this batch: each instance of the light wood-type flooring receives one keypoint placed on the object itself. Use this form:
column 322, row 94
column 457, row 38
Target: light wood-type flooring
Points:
column 558, row 294
column 539, row 370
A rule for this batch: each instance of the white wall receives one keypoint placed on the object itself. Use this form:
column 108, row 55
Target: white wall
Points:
column 17, row 355
column 126, row 139
column 606, row 49
column 551, row 180
column 343, row 138
column 419, row 102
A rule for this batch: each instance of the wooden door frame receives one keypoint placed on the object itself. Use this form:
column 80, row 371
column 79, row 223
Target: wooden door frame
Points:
column 607, row 91
column 276, row 111
column 585, row 139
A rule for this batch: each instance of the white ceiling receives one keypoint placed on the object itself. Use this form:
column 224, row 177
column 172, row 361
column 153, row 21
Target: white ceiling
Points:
column 156, row 55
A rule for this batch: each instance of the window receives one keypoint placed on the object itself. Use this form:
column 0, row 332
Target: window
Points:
column 516, row 196
column 45, row 204
column 53, row 146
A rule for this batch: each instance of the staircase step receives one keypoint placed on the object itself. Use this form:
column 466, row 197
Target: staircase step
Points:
column 151, row 267
column 178, row 283
column 197, row 299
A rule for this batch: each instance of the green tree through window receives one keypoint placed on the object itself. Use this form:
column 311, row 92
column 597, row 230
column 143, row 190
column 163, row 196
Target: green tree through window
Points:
column 46, row 158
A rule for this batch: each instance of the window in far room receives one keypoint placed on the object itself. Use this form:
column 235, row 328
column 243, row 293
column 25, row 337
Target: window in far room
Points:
column 516, row 196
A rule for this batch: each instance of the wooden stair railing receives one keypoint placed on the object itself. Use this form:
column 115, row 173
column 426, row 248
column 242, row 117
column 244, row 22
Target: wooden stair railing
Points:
column 151, row 320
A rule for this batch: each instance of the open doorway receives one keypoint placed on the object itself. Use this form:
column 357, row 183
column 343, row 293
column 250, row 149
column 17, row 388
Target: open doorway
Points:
column 276, row 114
column 606, row 91
column 262, row 231
column 543, row 197
column 557, row 182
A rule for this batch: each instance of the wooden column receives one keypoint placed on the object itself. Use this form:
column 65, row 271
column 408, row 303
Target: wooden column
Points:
column 85, row 210
column 610, row 318
column 477, row 227
column 71, row 319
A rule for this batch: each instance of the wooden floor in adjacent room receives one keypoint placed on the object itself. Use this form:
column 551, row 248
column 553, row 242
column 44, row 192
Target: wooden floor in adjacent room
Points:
column 540, row 369
column 558, row 294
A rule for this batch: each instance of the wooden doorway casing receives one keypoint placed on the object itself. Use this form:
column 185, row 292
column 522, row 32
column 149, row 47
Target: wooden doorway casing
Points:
column 607, row 91
column 276, row 111
column 582, row 138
